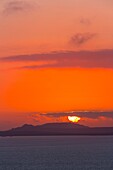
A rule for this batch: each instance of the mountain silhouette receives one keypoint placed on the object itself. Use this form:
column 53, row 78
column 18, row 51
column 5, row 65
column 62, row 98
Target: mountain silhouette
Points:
column 57, row 129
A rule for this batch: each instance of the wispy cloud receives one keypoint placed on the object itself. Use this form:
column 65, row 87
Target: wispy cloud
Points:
column 82, row 114
column 81, row 38
column 101, row 118
column 69, row 59
column 18, row 6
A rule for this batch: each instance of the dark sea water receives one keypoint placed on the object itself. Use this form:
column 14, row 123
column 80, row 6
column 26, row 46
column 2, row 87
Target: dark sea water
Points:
column 56, row 153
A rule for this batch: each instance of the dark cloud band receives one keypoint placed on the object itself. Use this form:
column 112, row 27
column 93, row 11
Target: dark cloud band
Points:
column 83, row 114
column 68, row 59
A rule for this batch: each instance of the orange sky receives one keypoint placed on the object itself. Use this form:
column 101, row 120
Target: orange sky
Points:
column 55, row 85
column 48, row 90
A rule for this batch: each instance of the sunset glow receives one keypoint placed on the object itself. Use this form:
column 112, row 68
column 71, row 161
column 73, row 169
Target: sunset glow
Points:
column 56, row 57
column 74, row 119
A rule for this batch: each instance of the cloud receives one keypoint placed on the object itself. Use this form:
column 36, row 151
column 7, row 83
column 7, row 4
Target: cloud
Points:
column 17, row 6
column 82, row 114
column 67, row 59
column 81, row 38
column 100, row 118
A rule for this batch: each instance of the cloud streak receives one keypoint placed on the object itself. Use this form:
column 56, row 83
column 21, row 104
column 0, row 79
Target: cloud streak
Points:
column 82, row 114
column 68, row 59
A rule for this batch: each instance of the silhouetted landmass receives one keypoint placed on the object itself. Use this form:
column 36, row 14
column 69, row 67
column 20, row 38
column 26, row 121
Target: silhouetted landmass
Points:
column 57, row 129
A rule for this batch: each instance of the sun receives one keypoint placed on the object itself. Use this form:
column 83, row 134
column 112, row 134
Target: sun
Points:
column 74, row 119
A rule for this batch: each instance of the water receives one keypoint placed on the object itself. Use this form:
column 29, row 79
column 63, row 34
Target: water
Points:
column 56, row 153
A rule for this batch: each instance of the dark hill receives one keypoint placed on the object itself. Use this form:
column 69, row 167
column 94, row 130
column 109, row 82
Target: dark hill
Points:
column 57, row 129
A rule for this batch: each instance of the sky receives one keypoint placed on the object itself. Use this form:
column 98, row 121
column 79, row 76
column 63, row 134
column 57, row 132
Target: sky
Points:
column 56, row 60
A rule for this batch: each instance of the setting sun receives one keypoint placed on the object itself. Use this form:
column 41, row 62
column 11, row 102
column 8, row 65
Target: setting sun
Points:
column 74, row 119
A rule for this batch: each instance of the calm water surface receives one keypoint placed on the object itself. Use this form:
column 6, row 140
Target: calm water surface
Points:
column 56, row 153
